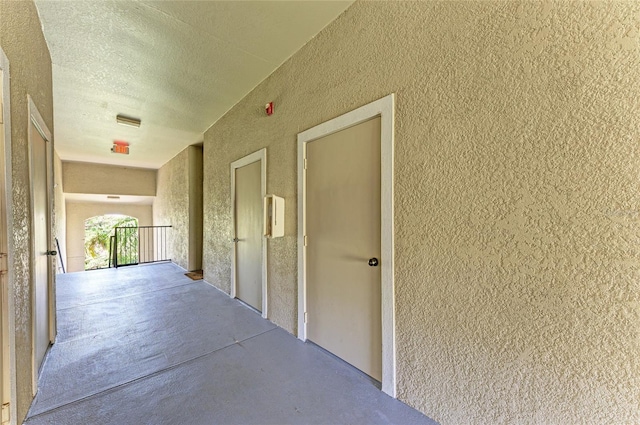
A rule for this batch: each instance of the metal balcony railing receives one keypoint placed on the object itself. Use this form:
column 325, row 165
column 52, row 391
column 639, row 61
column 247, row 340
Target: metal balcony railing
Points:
column 139, row 245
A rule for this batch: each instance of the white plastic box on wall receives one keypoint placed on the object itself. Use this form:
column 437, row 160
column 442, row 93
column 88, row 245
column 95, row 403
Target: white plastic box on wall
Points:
column 273, row 216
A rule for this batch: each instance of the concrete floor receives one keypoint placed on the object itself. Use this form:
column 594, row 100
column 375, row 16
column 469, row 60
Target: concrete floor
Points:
column 147, row 345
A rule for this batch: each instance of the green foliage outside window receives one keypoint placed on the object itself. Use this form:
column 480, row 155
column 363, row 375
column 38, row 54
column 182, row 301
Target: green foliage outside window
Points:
column 128, row 245
column 98, row 231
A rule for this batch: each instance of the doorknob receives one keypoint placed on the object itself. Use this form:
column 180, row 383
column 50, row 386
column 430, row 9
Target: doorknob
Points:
column 373, row 262
column 52, row 253
column 236, row 240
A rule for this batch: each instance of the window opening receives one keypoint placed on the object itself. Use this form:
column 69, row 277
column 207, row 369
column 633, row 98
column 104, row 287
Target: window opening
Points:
column 97, row 237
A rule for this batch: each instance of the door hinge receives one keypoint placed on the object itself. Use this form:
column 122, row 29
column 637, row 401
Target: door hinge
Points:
column 5, row 414
column 304, row 240
column 3, row 272
column 305, row 317
column 1, row 113
column 305, row 164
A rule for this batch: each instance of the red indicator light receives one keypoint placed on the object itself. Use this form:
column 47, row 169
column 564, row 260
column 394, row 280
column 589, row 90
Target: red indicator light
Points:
column 120, row 146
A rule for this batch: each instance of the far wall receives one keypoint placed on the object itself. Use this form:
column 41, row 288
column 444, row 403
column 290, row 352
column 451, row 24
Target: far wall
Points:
column 60, row 214
column 178, row 203
column 78, row 212
column 84, row 177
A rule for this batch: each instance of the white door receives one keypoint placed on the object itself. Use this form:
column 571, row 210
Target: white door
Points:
column 5, row 381
column 43, row 305
column 248, row 192
column 343, row 245
column 41, row 223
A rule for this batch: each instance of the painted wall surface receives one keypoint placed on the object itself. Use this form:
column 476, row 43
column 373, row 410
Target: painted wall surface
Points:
column 178, row 203
column 30, row 67
column 78, row 212
column 60, row 214
column 195, row 206
column 517, row 251
column 171, row 206
column 84, row 177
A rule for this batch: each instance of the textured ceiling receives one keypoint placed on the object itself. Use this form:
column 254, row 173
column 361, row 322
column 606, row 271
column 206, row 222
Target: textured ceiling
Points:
column 176, row 65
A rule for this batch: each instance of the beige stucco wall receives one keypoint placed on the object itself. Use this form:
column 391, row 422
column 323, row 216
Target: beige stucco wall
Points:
column 171, row 206
column 78, row 212
column 196, row 159
column 60, row 214
column 91, row 178
column 178, row 203
column 22, row 41
column 517, row 260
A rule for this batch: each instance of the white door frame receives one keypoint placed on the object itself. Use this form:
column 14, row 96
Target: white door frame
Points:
column 36, row 120
column 7, row 223
column 261, row 156
column 385, row 109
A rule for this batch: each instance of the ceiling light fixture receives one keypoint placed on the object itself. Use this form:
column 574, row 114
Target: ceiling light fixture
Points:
column 125, row 120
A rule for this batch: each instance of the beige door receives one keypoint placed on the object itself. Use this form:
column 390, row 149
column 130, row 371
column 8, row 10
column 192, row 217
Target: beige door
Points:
column 41, row 244
column 248, row 239
column 343, row 238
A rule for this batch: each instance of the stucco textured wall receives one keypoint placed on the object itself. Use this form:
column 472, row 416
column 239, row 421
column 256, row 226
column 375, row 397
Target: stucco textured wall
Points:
column 196, row 158
column 78, row 212
column 30, row 67
column 516, row 209
column 84, row 177
column 60, row 214
column 171, row 206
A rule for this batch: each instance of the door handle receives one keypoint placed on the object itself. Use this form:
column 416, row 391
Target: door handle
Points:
column 236, row 240
column 373, row 262
column 52, row 253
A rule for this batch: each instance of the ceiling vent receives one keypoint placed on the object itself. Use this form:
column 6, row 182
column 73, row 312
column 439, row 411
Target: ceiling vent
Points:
column 125, row 120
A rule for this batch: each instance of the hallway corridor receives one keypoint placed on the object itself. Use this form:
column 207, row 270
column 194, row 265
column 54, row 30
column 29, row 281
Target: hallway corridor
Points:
column 147, row 345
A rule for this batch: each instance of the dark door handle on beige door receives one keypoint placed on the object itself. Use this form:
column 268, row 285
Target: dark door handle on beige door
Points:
column 373, row 262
